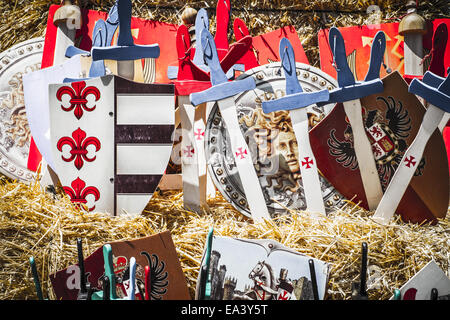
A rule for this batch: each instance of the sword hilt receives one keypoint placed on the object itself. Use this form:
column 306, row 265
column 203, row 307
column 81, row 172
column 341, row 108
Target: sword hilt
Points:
column 131, row 293
column 125, row 48
column 201, row 23
column 349, row 89
column 221, row 88
column 68, row 12
column 295, row 98
column 434, row 89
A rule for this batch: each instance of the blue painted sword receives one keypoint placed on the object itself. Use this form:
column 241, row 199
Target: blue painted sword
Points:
column 125, row 52
column 295, row 101
column 436, row 91
column 223, row 91
column 349, row 93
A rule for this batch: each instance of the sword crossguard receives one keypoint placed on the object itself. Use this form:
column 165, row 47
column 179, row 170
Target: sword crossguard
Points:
column 295, row 98
column 434, row 89
column 349, row 89
column 108, row 29
column 221, row 88
column 125, row 48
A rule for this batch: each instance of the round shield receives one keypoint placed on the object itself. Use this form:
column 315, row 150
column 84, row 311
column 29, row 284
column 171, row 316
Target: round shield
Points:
column 14, row 130
column 271, row 140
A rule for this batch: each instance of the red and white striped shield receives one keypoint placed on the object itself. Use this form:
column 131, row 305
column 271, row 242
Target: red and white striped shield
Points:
column 111, row 140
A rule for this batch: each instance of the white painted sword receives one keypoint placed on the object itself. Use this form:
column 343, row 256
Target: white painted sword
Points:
column 436, row 91
column 349, row 93
column 223, row 91
column 295, row 101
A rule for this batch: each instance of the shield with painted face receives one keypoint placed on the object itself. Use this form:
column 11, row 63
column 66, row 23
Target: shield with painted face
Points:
column 111, row 140
column 271, row 140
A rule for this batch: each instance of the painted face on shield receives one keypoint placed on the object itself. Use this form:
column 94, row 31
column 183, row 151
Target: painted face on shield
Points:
column 288, row 148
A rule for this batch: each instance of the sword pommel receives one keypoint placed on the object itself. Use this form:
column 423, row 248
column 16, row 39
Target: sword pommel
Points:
column 68, row 13
column 412, row 22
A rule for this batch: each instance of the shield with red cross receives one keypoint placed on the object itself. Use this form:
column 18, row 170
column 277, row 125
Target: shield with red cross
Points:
column 392, row 119
column 111, row 141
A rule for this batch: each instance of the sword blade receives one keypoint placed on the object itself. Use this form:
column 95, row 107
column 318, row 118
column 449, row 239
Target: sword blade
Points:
column 410, row 161
column 364, row 154
column 308, row 166
column 243, row 160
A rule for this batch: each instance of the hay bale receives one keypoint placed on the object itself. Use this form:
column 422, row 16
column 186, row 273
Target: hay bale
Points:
column 46, row 226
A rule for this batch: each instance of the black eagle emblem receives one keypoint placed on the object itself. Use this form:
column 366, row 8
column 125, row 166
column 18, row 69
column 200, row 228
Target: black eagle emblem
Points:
column 396, row 125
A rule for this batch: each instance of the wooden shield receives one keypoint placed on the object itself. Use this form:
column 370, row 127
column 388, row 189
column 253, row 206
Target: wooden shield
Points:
column 392, row 120
column 157, row 251
column 111, row 140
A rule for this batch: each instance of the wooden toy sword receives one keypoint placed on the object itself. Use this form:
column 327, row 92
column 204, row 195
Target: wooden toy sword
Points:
column 223, row 91
column 349, row 93
column 125, row 52
column 295, row 101
column 436, row 91
column 68, row 19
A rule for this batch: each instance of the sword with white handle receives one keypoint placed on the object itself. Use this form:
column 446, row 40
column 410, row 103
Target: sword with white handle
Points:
column 223, row 91
column 295, row 101
column 349, row 93
column 436, row 91
column 68, row 19
column 125, row 52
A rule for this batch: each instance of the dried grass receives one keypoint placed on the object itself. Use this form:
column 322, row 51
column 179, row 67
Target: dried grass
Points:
column 46, row 226
column 40, row 224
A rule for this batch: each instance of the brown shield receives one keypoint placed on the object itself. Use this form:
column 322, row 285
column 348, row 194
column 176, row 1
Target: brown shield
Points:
column 392, row 120
column 157, row 251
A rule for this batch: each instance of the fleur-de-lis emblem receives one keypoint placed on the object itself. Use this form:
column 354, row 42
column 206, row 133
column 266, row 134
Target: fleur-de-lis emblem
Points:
column 79, row 192
column 78, row 97
column 79, row 144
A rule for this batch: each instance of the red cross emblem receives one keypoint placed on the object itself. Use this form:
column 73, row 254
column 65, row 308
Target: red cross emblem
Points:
column 189, row 151
column 283, row 296
column 308, row 162
column 241, row 153
column 410, row 162
column 199, row 134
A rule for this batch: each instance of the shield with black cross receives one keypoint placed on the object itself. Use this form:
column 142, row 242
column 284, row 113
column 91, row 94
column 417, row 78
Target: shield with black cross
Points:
column 111, row 141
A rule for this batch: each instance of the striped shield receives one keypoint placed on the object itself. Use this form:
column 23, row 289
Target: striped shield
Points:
column 111, row 141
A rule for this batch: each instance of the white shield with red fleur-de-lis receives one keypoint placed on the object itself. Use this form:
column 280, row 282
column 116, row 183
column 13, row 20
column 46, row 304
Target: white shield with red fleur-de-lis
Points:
column 111, row 141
